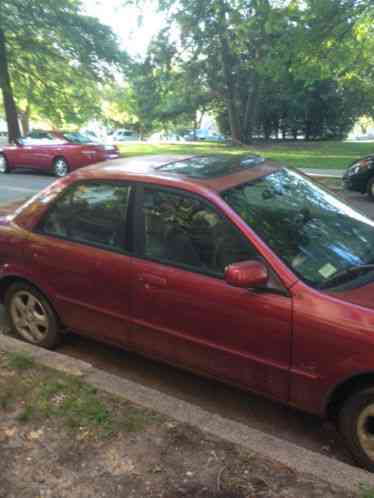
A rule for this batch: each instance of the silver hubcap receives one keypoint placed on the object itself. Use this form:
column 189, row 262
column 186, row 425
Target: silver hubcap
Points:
column 365, row 430
column 29, row 317
column 61, row 168
column 2, row 164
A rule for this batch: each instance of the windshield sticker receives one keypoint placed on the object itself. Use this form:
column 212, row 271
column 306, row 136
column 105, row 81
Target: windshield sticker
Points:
column 327, row 270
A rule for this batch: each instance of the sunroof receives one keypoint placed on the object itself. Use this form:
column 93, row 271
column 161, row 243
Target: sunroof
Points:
column 210, row 166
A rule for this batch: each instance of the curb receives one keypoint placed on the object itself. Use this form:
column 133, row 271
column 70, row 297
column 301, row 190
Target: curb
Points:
column 301, row 460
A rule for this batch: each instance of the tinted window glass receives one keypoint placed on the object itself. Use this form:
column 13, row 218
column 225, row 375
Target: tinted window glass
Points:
column 315, row 233
column 182, row 229
column 92, row 213
column 79, row 138
column 210, row 166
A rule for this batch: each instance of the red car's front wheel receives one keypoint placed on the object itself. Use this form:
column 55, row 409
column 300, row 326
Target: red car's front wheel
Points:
column 60, row 167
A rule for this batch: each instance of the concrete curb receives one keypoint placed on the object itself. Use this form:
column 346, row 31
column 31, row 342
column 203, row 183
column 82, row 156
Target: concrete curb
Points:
column 303, row 461
column 323, row 173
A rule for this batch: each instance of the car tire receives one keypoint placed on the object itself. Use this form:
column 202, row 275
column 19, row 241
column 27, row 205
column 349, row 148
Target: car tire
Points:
column 4, row 166
column 30, row 316
column 370, row 188
column 60, row 167
column 356, row 424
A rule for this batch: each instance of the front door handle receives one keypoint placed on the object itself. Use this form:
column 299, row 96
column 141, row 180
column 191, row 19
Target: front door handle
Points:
column 153, row 281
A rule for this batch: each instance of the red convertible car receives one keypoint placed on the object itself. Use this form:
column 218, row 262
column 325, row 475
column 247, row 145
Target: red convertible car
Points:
column 56, row 152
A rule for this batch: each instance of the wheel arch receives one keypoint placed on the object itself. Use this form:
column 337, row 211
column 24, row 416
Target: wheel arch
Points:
column 2, row 153
column 9, row 280
column 342, row 391
column 60, row 156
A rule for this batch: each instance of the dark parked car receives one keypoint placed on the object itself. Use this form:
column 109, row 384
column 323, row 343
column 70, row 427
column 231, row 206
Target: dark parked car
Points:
column 360, row 176
column 240, row 270
column 57, row 152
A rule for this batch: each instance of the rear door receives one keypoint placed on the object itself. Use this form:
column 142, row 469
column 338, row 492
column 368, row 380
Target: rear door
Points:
column 82, row 248
column 185, row 313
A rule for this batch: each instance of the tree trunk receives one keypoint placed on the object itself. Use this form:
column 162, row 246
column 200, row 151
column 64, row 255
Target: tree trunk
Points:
column 25, row 120
column 251, row 110
column 234, row 119
column 6, row 88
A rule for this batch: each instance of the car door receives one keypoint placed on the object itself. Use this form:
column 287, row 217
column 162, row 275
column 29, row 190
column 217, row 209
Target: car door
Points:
column 183, row 310
column 81, row 248
column 45, row 148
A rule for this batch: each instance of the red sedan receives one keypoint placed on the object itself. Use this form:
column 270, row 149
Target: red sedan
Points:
column 54, row 152
column 240, row 270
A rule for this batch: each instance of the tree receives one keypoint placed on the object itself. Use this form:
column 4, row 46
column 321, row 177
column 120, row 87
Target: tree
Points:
column 45, row 47
column 273, row 67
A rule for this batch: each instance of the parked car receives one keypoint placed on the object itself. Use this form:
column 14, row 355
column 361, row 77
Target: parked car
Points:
column 240, row 270
column 124, row 136
column 57, row 152
column 360, row 176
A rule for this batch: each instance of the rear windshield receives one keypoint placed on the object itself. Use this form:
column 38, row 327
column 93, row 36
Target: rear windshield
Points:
column 210, row 167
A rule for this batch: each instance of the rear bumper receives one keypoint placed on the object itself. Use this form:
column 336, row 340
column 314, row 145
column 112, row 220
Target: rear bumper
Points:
column 112, row 156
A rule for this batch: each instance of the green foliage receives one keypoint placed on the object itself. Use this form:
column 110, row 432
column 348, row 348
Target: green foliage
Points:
column 57, row 58
column 268, row 68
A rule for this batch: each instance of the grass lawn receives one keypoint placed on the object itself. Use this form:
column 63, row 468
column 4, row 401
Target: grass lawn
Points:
column 320, row 155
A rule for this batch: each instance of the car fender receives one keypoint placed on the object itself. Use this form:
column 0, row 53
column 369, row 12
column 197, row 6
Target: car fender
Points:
column 20, row 272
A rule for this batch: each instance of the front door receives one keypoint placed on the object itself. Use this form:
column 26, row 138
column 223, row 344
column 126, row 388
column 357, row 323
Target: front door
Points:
column 80, row 248
column 183, row 310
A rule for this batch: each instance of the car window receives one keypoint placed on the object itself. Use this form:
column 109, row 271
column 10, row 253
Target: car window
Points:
column 92, row 213
column 316, row 234
column 184, row 230
column 38, row 138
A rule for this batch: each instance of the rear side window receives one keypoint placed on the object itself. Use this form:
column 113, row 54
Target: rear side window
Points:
column 90, row 213
column 184, row 230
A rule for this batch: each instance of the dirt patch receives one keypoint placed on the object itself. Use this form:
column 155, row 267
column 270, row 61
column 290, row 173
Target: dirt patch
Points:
column 61, row 438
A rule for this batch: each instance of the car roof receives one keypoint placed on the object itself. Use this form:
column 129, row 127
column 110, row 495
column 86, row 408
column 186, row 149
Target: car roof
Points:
column 216, row 172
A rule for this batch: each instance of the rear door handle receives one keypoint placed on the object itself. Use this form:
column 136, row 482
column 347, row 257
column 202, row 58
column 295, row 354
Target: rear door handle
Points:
column 153, row 281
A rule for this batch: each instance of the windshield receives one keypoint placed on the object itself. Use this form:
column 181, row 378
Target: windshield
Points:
column 316, row 234
column 80, row 138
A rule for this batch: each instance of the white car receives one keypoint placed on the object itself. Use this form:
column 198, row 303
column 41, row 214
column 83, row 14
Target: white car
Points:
column 124, row 135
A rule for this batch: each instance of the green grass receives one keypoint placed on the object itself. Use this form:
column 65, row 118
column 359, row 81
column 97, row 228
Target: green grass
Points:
column 320, row 155
column 20, row 361
column 46, row 394
column 366, row 492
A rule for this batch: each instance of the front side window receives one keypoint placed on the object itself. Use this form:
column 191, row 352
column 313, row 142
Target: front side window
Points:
column 184, row 230
column 90, row 213
column 79, row 138
column 318, row 236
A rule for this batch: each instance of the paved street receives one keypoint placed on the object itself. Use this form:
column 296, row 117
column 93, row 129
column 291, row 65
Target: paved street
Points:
column 257, row 412
column 21, row 185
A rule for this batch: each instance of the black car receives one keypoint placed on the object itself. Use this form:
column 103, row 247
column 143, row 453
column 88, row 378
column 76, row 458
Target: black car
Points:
column 360, row 176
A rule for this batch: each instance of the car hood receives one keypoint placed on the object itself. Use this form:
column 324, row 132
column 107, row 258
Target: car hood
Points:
column 362, row 296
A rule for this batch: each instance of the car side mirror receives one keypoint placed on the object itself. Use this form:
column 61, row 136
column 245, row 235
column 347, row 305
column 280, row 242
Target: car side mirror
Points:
column 19, row 142
column 247, row 274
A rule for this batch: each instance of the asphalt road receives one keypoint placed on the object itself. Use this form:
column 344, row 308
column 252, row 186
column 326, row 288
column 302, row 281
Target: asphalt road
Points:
column 22, row 185
column 270, row 417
